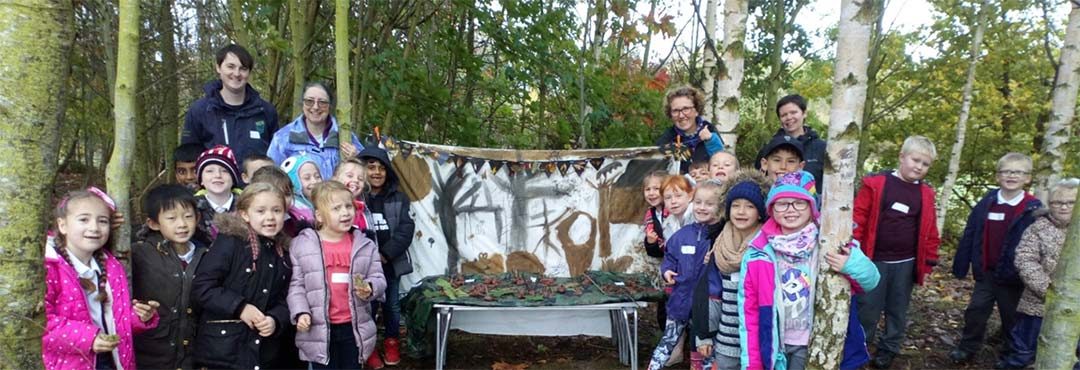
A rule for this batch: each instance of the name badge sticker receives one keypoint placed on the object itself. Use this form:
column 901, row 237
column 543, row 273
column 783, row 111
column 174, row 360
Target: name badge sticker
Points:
column 996, row 216
column 339, row 278
column 900, row 207
column 255, row 134
column 689, row 249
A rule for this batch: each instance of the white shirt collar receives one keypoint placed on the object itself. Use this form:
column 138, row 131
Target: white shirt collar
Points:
column 1011, row 202
column 221, row 208
column 84, row 271
column 186, row 257
column 897, row 174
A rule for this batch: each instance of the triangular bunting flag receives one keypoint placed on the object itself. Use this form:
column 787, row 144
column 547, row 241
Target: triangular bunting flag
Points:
column 458, row 161
column 579, row 167
column 515, row 168
column 596, row 163
column 441, row 157
column 563, row 167
column 496, row 166
column 477, row 164
column 549, row 167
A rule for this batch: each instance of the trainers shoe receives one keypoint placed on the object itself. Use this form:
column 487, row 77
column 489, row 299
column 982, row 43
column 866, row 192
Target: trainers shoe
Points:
column 883, row 359
column 695, row 361
column 960, row 356
column 392, row 351
column 374, row 362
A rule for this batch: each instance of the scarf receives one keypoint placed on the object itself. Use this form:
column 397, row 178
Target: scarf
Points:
column 730, row 246
column 691, row 139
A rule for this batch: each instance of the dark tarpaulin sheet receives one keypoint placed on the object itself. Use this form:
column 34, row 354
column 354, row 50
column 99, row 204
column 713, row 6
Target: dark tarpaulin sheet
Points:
column 514, row 290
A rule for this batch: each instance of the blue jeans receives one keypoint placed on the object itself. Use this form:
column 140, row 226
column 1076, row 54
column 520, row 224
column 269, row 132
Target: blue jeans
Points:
column 391, row 310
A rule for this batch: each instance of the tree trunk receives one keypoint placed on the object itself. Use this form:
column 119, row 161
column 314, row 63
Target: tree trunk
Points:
column 877, row 58
column 729, row 86
column 598, row 29
column 170, row 111
column 342, row 48
column 1061, row 319
column 833, row 299
column 118, row 172
column 299, row 57
column 961, row 124
column 775, row 62
column 39, row 31
column 1063, row 108
column 236, row 23
column 648, row 36
column 708, row 62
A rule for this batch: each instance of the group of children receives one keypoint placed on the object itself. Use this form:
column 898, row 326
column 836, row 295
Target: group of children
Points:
column 739, row 260
column 260, row 268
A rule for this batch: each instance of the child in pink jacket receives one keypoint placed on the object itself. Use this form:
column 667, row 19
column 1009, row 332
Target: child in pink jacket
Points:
column 90, row 315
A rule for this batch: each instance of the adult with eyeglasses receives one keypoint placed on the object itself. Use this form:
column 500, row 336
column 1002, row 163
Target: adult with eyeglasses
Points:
column 791, row 110
column 314, row 132
column 1036, row 257
column 684, row 105
column 231, row 113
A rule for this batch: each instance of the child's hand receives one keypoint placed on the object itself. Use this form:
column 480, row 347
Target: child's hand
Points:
column 117, row 220
column 266, row 326
column 704, row 134
column 650, row 236
column 303, row 323
column 705, row 350
column 104, row 343
column 145, row 310
column 837, row 258
column 251, row 316
column 348, row 150
column 362, row 291
column 669, row 277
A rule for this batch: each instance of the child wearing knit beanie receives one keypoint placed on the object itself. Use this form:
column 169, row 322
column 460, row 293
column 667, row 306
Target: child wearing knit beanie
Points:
column 715, row 318
column 217, row 175
column 776, row 295
column 304, row 173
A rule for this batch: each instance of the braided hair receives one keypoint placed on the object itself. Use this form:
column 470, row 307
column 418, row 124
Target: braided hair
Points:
column 242, row 205
column 99, row 255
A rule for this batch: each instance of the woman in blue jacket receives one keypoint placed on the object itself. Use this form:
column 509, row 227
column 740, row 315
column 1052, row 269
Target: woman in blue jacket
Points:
column 315, row 133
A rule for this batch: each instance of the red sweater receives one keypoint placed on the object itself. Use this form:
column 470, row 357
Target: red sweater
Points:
column 868, row 208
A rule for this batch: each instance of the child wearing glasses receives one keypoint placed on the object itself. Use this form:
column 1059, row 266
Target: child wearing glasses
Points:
column 315, row 133
column 987, row 249
column 776, row 295
column 1036, row 257
column 896, row 226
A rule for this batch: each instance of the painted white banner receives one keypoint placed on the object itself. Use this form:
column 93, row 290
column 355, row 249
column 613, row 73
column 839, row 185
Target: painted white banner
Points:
column 559, row 213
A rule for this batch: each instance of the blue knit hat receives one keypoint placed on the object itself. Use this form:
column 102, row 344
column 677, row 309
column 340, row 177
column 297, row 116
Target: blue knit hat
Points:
column 750, row 191
column 795, row 185
column 292, row 168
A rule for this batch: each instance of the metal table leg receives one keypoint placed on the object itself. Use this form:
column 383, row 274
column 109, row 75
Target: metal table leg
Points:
column 618, row 323
column 631, row 334
column 442, row 332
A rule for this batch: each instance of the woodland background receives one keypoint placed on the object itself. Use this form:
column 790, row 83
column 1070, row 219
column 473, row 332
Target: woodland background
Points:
column 526, row 74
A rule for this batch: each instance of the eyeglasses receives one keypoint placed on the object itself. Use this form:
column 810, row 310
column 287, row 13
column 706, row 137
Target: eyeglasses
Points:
column 799, row 205
column 1057, row 204
column 1012, row 173
column 308, row 102
column 683, row 111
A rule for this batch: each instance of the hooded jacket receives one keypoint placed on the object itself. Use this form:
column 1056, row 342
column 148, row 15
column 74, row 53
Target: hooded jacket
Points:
column 1036, row 258
column 760, row 329
column 868, row 204
column 308, row 294
column 700, row 151
column 226, row 281
column 686, row 249
column 813, row 154
column 246, row 129
column 396, row 215
column 157, row 274
column 970, row 250
column 302, row 207
column 293, row 139
column 68, row 340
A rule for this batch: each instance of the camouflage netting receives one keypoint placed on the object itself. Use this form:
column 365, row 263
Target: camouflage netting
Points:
column 514, row 290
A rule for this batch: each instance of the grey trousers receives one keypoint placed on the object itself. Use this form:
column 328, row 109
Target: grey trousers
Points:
column 796, row 357
column 892, row 296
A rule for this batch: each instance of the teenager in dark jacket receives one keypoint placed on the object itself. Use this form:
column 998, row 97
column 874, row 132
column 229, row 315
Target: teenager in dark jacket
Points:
column 163, row 262
column 684, row 106
column 231, row 113
column 393, row 227
column 993, row 230
column 241, row 286
column 791, row 110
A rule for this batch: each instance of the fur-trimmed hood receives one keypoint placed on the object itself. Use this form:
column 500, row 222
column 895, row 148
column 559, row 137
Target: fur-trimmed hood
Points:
column 232, row 224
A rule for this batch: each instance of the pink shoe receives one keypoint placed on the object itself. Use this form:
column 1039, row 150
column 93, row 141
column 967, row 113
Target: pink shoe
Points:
column 695, row 361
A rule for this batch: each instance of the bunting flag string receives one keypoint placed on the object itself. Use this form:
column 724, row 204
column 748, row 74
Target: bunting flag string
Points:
column 551, row 164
